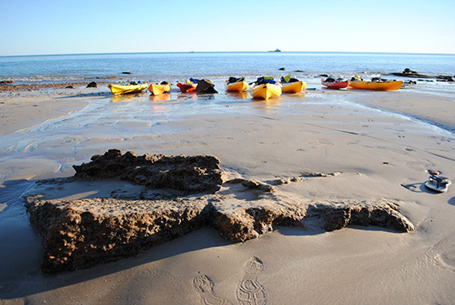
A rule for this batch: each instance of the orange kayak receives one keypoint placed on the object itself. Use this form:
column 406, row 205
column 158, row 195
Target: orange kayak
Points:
column 186, row 88
column 379, row 86
column 157, row 89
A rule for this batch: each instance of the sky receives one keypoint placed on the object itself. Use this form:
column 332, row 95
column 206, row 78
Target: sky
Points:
column 34, row 27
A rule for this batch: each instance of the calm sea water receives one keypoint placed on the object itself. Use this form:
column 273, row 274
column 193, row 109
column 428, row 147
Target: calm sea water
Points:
column 183, row 65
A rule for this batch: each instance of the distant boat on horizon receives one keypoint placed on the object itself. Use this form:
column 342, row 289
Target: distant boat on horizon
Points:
column 276, row 50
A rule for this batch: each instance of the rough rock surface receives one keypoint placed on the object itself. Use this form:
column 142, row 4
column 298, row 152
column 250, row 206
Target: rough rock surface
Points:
column 193, row 174
column 82, row 233
column 383, row 215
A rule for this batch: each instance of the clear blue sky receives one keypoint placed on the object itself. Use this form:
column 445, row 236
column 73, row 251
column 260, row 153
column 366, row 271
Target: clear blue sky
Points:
column 99, row 26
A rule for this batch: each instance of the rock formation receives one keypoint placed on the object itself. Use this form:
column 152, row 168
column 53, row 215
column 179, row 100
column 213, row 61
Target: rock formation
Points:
column 78, row 234
column 383, row 215
column 410, row 73
column 195, row 174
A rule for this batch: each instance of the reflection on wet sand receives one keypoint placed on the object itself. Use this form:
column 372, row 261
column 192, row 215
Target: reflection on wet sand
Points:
column 187, row 96
column 267, row 104
column 161, row 97
column 239, row 95
column 300, row 94
column 124, row 97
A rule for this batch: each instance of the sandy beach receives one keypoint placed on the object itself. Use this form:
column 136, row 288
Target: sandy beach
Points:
column 380, row 144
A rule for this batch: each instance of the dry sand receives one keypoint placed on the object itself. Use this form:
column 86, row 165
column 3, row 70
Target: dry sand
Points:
column 379, row 141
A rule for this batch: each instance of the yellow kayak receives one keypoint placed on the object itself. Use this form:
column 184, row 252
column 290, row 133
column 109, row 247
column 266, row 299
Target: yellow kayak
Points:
column 157, row 89
column 236, row 84
column 124, row 89
column 266, row 91
column 380, row 86
column 237, row 87
column 294, row 87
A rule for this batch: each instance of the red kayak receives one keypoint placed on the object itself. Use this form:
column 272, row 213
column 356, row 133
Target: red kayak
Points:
column 187, row 88
column 335, row 84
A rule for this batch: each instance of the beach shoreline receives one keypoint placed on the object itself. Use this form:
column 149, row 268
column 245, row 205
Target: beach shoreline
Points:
column 378, row 141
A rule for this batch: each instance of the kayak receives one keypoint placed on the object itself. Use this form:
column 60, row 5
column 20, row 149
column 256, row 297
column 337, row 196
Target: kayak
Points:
column 265, row 91
column 236, row 84
column 237, row 87
column 187, row 88
column 124, row 89
column 291, row 85
column 335, row 84
column 380, row 86
column 294, row 87
column 157, row 89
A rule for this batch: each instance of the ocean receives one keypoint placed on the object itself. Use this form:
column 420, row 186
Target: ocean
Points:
column 176, row 66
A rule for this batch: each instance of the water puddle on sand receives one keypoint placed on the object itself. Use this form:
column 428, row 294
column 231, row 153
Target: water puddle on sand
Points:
column 20, row 253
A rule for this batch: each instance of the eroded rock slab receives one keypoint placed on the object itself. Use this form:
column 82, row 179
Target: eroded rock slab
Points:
column 192, row 174
column 78, row 234
column 339, row 216
column 82, row 233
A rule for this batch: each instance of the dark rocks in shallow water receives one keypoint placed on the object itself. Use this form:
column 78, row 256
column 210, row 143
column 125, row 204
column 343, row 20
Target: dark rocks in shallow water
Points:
column 282, row 69
column 323, row 75
column 6, row 82
column 127, row 72
column 193, row 174
column 410, row 73
column 444, row 78
column 69, row 87
column 92, row 85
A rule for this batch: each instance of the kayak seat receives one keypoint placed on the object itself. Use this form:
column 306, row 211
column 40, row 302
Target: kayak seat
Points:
column 235, row 79
column 265, row 80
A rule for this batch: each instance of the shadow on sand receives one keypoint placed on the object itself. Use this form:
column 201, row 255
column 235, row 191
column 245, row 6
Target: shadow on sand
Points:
column 23, row 277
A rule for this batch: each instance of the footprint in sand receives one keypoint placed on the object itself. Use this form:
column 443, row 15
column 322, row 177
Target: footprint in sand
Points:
column 249, row 291
column 204, row 286
column 446, row 261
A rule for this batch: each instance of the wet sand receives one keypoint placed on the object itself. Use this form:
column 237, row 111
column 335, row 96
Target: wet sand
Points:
column 378, row 141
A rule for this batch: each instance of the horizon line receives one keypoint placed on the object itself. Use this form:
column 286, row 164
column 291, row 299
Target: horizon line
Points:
column 191, row 51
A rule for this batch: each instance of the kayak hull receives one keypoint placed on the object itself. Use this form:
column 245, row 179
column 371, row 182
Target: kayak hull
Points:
column 187, row 88
column 266, row 91
column 157, row 89
column 126, row 89
column 335, row 85
column 378, row 86
column 294, row 87
column 237, row 87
